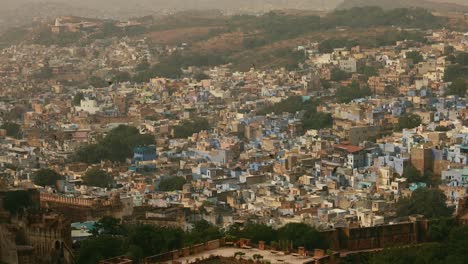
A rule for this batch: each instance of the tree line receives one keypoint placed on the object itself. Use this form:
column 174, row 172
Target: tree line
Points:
column 311, row 119
column 113, row 238
column 116, row 146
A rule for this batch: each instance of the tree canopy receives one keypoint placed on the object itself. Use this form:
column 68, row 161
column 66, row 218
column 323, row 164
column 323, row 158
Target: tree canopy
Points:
column 451, row 248
column 201, row 76
column 189, row 127
column 112, row 238
column 339, row 75
column 15, row 201
column 97, row 82
column 117, row 145
column 172, row 183
column 202, row 231
column 302, row 235
column 413, row 175
column 458, row 87
column 108, row 225
column 98, row 178
column 46, row 177
column 408, row 120
column 299, row 234
column 462, row 58
column 353, row 91
column 455, row 71
column 415, row 56
column 12, row 129
column 77, row 98
column 92, row 250
column 311, row 119
column 260, row 232
column 424, row 201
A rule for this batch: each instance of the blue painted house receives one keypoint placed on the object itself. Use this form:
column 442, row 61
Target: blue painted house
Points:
column 143, row 157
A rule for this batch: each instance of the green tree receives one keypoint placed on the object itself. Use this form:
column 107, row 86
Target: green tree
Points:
column 111, row 238
column 441, row 128
column 451, row 250
column 311, row 119
column 108, row 225
column 77, row 98
column 328, row 45
column 172, row 183
column 117, row 145
column 239, row 254
column 339, row 75
column 12, row 129
column 415, row 56
column 46, row 177
column 449, row 50
column 202, row 231
column 97, row 82
column 409, row 120
column 122, row 76
column 291, row 104
column 458, row 87
column 457, row 245
column 317, row 120
column 260, row 232
column 455, row 71
column 167, row 70
column 153, row 240
column 257, row 257
column 44, row 73
column 428, row 202
column 143, row 65
column 189, row 127
column 15, row 201
column 422, row 254
column 412, row 174
column 351, row 92
column 369, row 71
column 98, row 178
column 462, row 58
column 391, row 90
column 440, row 228
column 302, row 235
column 94, row 249
column 201, row 76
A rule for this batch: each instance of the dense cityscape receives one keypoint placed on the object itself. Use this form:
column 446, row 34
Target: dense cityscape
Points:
column 200, row 137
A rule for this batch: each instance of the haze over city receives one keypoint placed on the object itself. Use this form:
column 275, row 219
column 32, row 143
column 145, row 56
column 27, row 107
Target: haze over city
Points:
column 233, row 132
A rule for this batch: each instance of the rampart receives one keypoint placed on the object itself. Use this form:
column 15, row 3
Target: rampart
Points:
column 80, row 209
column 363, row 238
column 349, row 240
column 73, row 201
column 185, row 252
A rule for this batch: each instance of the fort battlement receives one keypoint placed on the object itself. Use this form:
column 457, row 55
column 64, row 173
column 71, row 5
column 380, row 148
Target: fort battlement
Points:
column 184, row 252
column 73, row 201
column 82, row 209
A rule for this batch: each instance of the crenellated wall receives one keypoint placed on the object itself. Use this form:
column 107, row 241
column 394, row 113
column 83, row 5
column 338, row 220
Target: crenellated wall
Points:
column 363, row 238
column 184, row 252
column 80, row 209
column 73, row 201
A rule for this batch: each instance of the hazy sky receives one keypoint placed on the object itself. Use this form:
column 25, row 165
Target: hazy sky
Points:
column 189, row 4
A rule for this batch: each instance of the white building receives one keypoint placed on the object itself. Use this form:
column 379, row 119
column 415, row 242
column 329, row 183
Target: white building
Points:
column 89, row 106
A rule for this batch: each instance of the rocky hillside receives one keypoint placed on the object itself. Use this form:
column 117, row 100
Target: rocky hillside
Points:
column 434, row 5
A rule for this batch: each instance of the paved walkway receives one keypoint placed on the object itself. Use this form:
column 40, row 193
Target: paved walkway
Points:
column 271, row 256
